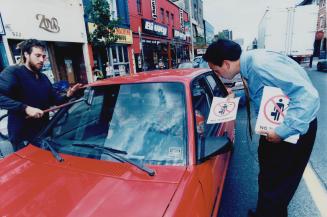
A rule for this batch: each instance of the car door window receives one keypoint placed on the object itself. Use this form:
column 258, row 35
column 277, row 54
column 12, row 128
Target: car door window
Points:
column 203, row 90
column 217, row 87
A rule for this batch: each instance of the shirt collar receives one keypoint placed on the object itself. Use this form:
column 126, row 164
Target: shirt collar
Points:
column 243, row 65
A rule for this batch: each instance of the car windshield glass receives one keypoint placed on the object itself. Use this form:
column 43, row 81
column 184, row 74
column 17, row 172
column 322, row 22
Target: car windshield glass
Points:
column 146, row 120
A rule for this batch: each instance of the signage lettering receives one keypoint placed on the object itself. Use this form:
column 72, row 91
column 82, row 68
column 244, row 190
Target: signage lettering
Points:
column 181, row 19
column 154, row 28
column 179, row 35
column 50, row 25
column 154, row 9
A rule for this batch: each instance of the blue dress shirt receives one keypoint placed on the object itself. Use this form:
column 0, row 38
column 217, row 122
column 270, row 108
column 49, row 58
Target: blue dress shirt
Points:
column 265, row 68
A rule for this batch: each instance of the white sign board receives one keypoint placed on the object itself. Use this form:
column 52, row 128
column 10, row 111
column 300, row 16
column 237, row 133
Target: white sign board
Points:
column 44, row 20
column 273, row 109
column 223, row 110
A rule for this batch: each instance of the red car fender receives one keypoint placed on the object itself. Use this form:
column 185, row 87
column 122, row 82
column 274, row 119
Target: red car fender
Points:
column 188, row 199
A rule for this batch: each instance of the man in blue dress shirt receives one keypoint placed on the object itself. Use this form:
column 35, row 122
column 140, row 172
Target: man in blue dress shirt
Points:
column 281, row 163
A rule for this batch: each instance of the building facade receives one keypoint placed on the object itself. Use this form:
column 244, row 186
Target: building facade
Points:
column 209, row 32
column 119, row 55
column 321, row 29
column 228, row 34
column 59, row 24
column 159, row 37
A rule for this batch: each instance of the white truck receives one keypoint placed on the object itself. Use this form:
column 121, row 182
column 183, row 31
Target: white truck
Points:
column 290, row 31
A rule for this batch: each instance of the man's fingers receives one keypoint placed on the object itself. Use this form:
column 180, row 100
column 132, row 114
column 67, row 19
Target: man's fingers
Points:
column 263, row 132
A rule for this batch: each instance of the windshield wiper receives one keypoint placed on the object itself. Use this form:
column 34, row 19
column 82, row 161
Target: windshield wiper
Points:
column 101, row 148
column 114, row 154
column 46, row 144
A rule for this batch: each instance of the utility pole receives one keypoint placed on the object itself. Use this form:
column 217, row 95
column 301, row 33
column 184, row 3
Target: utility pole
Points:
column 191, row 28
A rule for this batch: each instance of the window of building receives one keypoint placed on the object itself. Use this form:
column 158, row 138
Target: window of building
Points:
column 162, row 15
column 113, row 8
column 172, row 19
column 322, row 22
column 118, row 55
column 167, row 17
column 139, row 6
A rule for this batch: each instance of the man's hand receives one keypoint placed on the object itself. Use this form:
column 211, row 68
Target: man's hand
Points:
column 73, row 89
column 33, row 112
column 271, row 136
column 231, row 94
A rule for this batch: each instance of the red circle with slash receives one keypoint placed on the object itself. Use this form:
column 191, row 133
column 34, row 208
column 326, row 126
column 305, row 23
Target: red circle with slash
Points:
column 230, row 108
column 272, row 100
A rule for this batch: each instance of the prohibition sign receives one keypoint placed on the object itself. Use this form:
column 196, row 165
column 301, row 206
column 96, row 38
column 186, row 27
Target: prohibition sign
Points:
column 224, row 108
column 273, row 103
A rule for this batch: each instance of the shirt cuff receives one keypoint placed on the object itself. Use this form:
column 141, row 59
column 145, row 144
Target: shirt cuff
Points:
column 22, row 108
column 283, row 131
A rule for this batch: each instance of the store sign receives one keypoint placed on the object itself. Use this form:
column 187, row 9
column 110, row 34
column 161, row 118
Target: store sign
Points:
column 154, row 9
column 181, row 18
column 179, row 35
column 48, row 24
column 2, row 29
column 148, row 41
column 124, row 35
column 58, row 21
column 154, row 28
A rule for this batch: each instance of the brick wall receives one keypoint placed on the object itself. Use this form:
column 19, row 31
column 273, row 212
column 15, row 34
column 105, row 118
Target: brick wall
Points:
column 135, row 18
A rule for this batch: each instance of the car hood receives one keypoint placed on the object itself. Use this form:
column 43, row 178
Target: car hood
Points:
column 33, row 183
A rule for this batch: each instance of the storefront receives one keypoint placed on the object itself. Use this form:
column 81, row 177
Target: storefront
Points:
column 180, row 48
column 154, row 47
column 117, row 54
column 57, row 23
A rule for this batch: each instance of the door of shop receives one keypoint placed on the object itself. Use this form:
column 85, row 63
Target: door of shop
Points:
column 118, row 56
column 70, row 62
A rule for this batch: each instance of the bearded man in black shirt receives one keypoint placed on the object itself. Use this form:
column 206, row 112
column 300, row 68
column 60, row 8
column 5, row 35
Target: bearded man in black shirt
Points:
column 25, row 92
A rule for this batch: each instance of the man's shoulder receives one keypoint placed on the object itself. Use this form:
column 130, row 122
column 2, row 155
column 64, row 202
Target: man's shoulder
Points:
column 12, row 70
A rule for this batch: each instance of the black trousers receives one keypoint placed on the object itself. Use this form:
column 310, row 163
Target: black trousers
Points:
column 281, row 169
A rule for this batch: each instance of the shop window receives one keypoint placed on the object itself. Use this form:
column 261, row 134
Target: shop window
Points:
column 3, row 57
column 125, row 52
column 139, row 6
column 120, row 54
column 119, row 59
column 114, row 55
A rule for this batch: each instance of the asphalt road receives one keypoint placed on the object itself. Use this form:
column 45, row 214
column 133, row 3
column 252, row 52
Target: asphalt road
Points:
column 240, row 190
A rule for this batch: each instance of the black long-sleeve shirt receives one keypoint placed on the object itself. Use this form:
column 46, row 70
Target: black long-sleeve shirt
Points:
column 20, row 87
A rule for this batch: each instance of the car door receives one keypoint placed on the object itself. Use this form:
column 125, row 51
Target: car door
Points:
column 210, row 171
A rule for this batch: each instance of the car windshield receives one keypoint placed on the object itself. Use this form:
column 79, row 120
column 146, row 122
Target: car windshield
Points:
column 146, row 120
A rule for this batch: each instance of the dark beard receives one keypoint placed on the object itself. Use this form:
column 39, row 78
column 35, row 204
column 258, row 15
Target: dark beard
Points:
column 34, row 67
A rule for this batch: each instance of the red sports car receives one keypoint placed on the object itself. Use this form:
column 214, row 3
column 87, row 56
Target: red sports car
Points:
column 134, row 146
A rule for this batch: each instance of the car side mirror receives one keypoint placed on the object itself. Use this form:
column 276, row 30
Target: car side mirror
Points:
column 212, row 146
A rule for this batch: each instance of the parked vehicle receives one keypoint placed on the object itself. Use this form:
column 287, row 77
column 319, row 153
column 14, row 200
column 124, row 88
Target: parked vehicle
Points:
column 322, row 65
column 290, row 31
column 132, row 146
column 185, row 65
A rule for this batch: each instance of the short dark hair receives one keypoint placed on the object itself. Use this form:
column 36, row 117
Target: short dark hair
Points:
column 27, row 46
column 221, row 50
